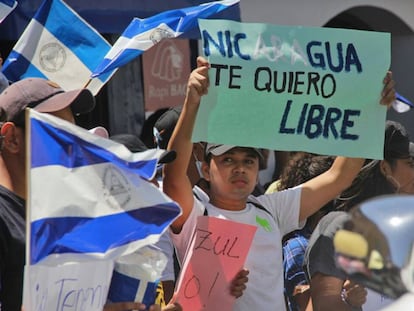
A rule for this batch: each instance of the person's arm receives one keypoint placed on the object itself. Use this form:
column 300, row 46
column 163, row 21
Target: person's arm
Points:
column 302, row 298
column 325, row 187
column 326, row 293
column 176, row 183
column 297, row 287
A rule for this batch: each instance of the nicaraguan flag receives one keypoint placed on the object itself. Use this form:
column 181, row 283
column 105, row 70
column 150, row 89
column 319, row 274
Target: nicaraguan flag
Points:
column 135, row 277
column 60, row 46
column 6, row 6
column 401, row 104
column 87, row 195
column 141, row 34
column 132, row 289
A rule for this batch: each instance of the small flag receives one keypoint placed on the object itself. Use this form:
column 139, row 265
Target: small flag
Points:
column 401, row 104
column 60, row 46
column 88, row 196
column 141, row 34
column 6, row 6
column 136, row 276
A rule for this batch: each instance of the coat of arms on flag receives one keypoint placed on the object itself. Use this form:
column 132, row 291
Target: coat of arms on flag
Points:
column 60, row 46
column 142, row 34
column 89, row 202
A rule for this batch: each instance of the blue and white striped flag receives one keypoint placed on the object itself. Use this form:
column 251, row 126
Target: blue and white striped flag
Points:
column 60, row 46
column 87, row 195
column 141, row 34
column 6, row 6
column 401, row 104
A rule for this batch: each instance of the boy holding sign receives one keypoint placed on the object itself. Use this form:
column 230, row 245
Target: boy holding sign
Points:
column 232, row 173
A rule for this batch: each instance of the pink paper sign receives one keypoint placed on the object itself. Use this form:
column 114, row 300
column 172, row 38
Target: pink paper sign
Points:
column 217, row 252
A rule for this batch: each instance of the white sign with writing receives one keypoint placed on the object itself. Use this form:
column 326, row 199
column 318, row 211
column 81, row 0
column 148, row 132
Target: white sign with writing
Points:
column 70, row 286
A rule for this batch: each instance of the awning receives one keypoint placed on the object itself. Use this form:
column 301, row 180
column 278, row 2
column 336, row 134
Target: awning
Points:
column 106, row 16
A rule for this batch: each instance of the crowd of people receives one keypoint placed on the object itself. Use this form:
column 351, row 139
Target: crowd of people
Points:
column 291, row 264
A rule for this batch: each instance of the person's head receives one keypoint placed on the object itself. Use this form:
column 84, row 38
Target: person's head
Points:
column 43, row 96
column 131, row 141
column 163, row 129
column 376, row 246
column 147, row 131
column 398, row 163
column 393, row 174
column 231, row 171
column 164, row 126
column 302, row 167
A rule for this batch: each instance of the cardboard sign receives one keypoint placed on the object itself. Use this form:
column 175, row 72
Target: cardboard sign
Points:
column 217, row 253
column 69, row 286
column 294, row 88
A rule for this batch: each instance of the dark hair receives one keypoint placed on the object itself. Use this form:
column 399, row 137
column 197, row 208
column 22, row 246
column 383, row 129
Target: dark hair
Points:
column 300, row 168
column 369, row 183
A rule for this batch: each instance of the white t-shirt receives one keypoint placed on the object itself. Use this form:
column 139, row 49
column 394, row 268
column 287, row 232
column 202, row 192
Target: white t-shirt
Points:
column 265, row 286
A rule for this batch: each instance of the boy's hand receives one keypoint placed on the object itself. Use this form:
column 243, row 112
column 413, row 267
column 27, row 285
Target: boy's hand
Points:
column 388, row 92
column 238, row 285
column 198, row 82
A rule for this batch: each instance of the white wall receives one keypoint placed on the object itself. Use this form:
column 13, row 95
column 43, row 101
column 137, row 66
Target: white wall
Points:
column 316, row 12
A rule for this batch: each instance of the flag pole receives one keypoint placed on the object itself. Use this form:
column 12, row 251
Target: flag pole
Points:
column 28, row 184
column 87, row 83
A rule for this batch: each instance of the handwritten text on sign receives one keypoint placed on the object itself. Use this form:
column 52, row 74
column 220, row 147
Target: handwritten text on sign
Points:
column 294, row 88
column 217, row 253
column 70, row 286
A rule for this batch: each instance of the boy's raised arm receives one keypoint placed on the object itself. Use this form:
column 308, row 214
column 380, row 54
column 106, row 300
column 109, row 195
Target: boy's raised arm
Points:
column 176, row 183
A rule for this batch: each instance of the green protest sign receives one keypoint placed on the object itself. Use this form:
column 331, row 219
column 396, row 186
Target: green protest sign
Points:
column 294, row 88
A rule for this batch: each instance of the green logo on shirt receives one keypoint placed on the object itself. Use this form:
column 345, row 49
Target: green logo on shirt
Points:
column 263, row 223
